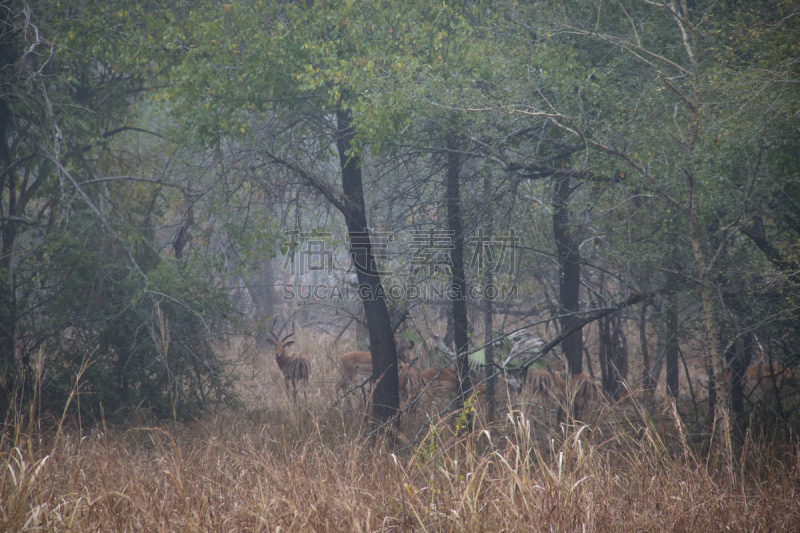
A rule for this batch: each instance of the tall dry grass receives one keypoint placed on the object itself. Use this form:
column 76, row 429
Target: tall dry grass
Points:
column 291, row 470
column 279, row 467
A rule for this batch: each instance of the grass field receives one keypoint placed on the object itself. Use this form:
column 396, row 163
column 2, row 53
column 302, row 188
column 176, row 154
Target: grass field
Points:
column 273, row 466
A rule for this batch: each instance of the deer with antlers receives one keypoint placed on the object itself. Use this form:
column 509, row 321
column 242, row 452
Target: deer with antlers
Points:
column 295, row 368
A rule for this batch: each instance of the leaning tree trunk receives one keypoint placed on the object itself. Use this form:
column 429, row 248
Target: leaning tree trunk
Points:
column 569, row 265
column 385, row 397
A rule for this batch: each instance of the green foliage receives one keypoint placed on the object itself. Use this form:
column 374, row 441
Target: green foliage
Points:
column 100, row 310
column 83, row 270
column 679, row 135
column 477, row 359
column 464, row 419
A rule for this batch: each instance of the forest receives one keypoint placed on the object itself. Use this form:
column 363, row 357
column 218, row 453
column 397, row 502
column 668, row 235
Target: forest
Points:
column 522, row 265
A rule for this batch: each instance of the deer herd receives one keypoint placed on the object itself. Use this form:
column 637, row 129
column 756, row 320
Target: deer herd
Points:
column 548, row 387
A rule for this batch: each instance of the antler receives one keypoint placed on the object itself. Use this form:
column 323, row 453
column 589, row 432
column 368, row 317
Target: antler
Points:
column 290, row 334
column 272, row 332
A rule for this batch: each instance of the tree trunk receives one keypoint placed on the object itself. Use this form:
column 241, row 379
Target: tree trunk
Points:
column 671, row 328
column 604, row 344
column 714, row 362
column 385, row 397
column 8, row 304
column 262, row 290
column 713, row 358
column 737, row 354
column 569, row 265
column 613, row 354
column 588, row 356
column 647, row 378
column 450, row 328
column 488, row 280
column 621, row 355
column 736, row 360
column 458, row 284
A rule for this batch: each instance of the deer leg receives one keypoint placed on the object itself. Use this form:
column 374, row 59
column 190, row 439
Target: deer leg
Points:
column 287, row 380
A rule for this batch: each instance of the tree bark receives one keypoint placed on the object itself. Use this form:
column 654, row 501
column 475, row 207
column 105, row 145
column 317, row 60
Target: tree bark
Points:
column 647, row 378
column 604, row 344
column 613, row 354
column 8, row 304
column 621, row 354
column 385, row 397
column 735, row 359
column 458, row 284
column 671, row 327
column 569, row 263
column 738, row 354
column 488, row 280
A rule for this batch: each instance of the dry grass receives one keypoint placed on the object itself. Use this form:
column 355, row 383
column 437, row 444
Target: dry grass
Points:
column 276, row 467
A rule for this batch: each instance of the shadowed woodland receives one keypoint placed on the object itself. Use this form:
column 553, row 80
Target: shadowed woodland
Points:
column 473, row 266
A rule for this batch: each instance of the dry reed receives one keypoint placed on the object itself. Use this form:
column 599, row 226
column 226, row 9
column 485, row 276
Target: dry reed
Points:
column 306, row 468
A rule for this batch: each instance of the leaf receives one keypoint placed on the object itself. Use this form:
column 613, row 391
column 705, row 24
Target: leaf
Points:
column 477, row 358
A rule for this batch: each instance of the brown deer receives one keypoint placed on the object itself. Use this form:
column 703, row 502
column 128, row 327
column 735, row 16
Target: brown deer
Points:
column 545, row 384
column 578, row 391
column 762, row 378
column 447, row 379
column 355, row 365
column 547, row 387
column 409, row 381
column 295, row 368
column 352, row 365
column 441, row 378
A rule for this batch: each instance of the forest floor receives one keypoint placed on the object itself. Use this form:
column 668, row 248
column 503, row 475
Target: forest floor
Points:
column 275, row 466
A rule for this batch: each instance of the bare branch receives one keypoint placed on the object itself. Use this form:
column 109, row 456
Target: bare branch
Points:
column 97, row 212
column 19, row 220
column 312, row 181
column 131, row 178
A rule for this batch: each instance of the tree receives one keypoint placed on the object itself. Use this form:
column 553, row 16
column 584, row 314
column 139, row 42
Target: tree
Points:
column 284, row 57
column 83, row 274
column 678, row 144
